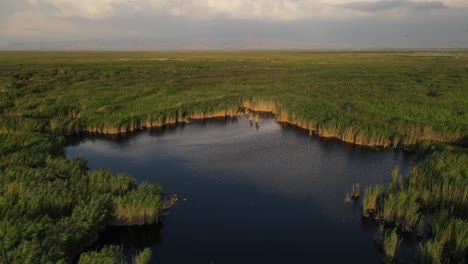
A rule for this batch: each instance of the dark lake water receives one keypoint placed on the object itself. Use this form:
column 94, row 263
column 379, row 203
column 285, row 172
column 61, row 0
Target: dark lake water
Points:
column 266, row 194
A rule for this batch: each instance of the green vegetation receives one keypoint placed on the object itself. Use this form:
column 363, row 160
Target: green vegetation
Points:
column 138, row 206
column 143, row 257
column 107, row 255
column 431, row 252
column 52, row 207
column 433, row 197
column 388, row 241
column 371, row 202
column 113, row 255
column 377, row 99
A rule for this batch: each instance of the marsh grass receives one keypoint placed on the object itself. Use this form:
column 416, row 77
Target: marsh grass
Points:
column 435, row 188
column 51, row 206
column 371, row 203
column 431, row 252
column 388, row 241
column 142, row 257
column 356, row 190
column 452, row 233
column 402, row 210
column 354, row 194
column 114, row 255
column 43, row 194
column 138, row 207
column 108, row 254
column 100, row 93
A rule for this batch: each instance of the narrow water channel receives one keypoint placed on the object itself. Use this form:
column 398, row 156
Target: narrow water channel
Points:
column 254, row 194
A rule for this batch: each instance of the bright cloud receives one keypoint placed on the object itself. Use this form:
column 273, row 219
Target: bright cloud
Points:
column 81, row 8
column 31, row 24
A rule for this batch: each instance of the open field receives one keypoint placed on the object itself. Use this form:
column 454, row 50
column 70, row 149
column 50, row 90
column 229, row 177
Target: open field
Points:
column 51, row 207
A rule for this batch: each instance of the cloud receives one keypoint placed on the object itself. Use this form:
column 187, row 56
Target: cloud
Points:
column 31, row 25
column 278, row 23
column 384, row 5
column 197, row 9
column 456, row 3
column 89, row 9
column 269, row 10
column 35, row 24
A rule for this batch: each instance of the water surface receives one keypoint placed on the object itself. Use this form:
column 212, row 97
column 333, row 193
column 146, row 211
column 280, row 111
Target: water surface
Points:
column 255, row 194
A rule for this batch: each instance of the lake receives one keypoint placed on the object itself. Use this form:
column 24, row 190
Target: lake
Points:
column 254, row 194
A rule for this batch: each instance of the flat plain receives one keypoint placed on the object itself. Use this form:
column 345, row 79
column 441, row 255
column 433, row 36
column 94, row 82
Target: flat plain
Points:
column 416, row 100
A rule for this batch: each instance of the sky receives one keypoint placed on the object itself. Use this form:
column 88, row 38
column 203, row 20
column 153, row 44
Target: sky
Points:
column 233, row 24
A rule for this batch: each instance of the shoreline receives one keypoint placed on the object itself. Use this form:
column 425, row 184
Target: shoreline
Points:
column 347, row 134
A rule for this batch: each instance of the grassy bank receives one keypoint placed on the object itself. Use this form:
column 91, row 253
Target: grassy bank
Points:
column 52, row 207
column 431, row 205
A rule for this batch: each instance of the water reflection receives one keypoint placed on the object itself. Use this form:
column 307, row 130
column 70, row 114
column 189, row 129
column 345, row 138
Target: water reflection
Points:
column 255, row 193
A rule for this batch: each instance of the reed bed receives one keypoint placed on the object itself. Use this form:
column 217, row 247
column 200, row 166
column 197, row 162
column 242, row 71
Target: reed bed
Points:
column 51, row 207
column 432, row 197
column 356, row 190
column 387, row 106
column 138, row 207
column 431, row 252
column 115, row 255
column 108, row 254
column 388, row 241
column 371, row 204
column 142, row 257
